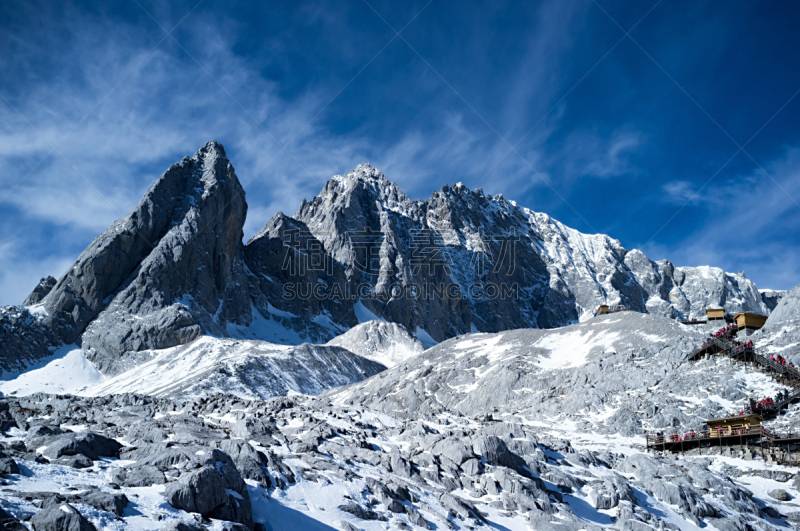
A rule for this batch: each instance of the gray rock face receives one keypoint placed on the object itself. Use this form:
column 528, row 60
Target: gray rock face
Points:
column 282, row 258
column 40, row 434
column 8, row 465
column 64, row 517
column 191, row 280
column 400, row 252
column 202, row 491
column 772, row 298
column 24, row 340
column 169, row 271
column 40, row 291
column 165, row 273
column 88, row 444
column 495, row 451
column 215, row 490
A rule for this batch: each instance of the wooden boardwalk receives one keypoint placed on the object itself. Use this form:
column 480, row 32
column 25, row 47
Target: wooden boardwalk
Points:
column 757, row 436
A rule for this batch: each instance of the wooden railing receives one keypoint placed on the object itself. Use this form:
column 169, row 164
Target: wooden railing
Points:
column 727, row 347
column 732, row 350
column 753, row 431
column 767, row 435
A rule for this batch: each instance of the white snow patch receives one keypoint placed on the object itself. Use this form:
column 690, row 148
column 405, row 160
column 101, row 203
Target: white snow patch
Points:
column 68, row 371
column 653, row 338
column 571, row 349
column 38, row 310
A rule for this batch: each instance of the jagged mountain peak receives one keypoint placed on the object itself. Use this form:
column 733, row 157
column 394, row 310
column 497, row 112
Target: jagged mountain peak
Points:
column 212, row 147
column 173, row 268
column 559, row 275
column 275, row 227
column 362, row 175
column 363, row 186
column 166, row 271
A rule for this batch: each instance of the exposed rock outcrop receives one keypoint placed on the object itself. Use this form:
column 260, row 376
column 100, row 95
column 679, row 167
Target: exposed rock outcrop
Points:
column 465, row 261
column 165, row 273
column 174, row 268
column 40, row 291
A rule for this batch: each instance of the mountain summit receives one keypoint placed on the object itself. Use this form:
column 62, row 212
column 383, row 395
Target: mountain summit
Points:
column 167, row 272
column 466, row 261
column 175, row 268
column 169, row 330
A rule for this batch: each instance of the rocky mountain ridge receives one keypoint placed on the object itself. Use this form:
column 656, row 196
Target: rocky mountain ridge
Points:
column 531, row 428
column 468, row 239
column 175, row 268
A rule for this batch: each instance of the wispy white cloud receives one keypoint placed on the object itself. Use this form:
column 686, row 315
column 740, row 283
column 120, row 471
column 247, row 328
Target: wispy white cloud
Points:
column 746, row 225
column 166, row 106
column 591, row 154
column 681, row 193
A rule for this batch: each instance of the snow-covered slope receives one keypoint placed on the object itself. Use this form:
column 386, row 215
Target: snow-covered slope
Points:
column 247, row 368
column 243, row 368
column 386, row 343
column 616, row 374
column 66, row 371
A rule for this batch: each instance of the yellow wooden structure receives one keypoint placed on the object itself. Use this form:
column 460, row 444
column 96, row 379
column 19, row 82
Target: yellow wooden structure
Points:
column 713, row 314
column 738, row 425
column 603, row 309
column 753, row 321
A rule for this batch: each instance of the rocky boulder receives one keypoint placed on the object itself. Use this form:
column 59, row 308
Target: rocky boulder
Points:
column 63, row 517
column 138, row 476
column 779, row 494
column 215, row 490
column 202, row 491
column 91, row 445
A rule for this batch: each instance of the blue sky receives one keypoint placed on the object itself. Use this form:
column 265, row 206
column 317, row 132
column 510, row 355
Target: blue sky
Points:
column 671, row 126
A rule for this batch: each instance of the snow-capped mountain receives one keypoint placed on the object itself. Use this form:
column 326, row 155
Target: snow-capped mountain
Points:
column 167, row 381
column 175, row 268
column 401, row 249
